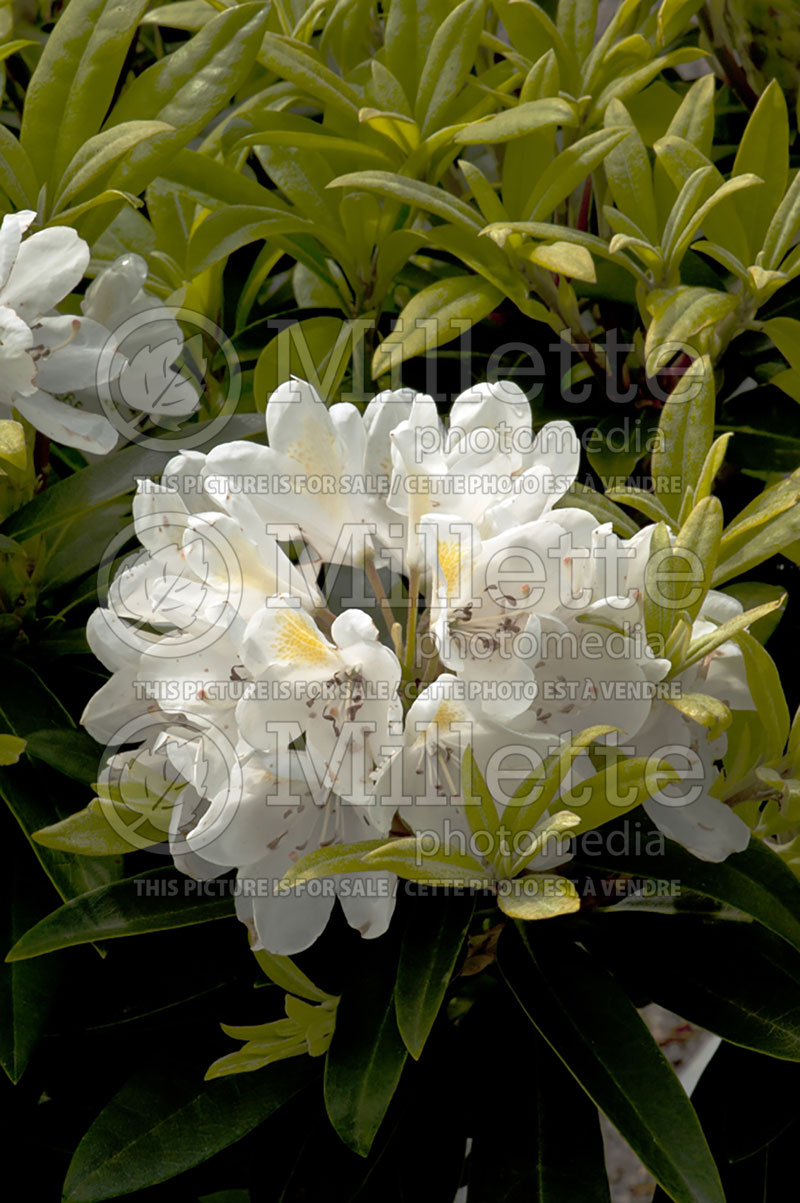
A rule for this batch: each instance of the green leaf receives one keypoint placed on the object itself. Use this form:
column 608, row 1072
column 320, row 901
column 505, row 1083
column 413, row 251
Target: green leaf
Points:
column 577, row 22
column 783, row 229
column 690, row 217
column 553, row 1107
column 99, row 154
column 333, row 858
column 711, row 466
column 29, row 706
column 410, row 858
column 432, row 940
column 764, row 152
column 590, row 1023
column 630, row 178
column 735, row 979
column 28, row 991
column 448, row 63
column 437, row 314
column 566, row 259
column 755, row 881
column 153, row 901
column 72, row 752
column 162, row 1123
column 11, row 748
column 17, row 174
column 538, row 896
column 631, row 82
column 785, row 333
column 702, row 647
column 366, row 1055
column 412, row 192
column 104, row 828
column 678, row 158
column 186, row 89
column 222, row 233
column 296, row 63
column 318, row 349
column 75, row 79
column 708, row 711
column 757, row 593
column 680, row 318
column 181, row 14
column 522, row 119
column 621, row 24
column 764, row 683
column 685, row 434
column 639, row 499
column 568, row 170
column 673, row 17
column 479, row 806
column 614, row 790
column 284, row 973
column 767, row 525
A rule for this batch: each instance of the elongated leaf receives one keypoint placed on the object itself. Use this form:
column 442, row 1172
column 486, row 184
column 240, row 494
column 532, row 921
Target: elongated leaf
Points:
column 289, row 60
column 222, row 233
column 577, row 21
column 630, row 178
column 612, row 791
column 590, row 1023
column 568, row 170
column 783, row 228
column 437, row 314
column 735, row 979
column 680, row 317
column 99, row 154
column 162, row 1123
column 685, row 434
column 674, row 16
column 366, row 1055
column 153, row 901
column 755, row 881
column 334, row 858
column 28, row 706
column 74, row 81
column 412, row 192
column 764, row 152
column 432, row 940
column 631, row 82
column 17, row 174
column 28, row 991
column 448, row 63
column 522, row 119
column 187, row 88
column 537, row 1135
column 284, row 973
column 410, row 858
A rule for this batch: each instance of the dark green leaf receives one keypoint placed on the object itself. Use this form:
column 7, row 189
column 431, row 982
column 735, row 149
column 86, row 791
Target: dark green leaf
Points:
column 366, row 1055
column 592, row 1025
column 153, row 901
column 162, row 1123
column 728, row 976
column 432, row 940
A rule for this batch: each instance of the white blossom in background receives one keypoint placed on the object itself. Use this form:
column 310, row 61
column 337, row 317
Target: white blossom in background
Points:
column 52, row 365
column 300, row 717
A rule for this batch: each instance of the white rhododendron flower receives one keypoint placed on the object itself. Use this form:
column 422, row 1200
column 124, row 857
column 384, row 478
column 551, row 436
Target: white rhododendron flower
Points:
column 52, row 364
column 315, row 631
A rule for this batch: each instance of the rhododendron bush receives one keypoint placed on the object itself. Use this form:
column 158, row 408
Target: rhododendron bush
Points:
column 399, row 482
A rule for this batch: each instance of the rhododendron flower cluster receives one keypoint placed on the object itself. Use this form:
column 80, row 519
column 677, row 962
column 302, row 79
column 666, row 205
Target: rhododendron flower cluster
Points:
column 319, row 634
